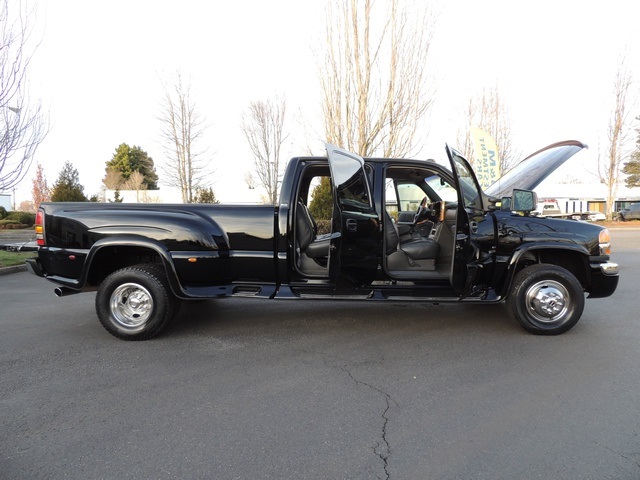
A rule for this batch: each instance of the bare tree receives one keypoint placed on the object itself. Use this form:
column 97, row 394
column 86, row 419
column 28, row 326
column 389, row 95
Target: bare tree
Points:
column 464, row 142
column 489, row 112
column 618, row 136
column 632, row 168
column 182, row 130
column 373, row 75
column 263, row 127
column 27, row 206
column 23, row 125
column 113, row 178
column 136, row 181
column 249, row 181
column 40, row 190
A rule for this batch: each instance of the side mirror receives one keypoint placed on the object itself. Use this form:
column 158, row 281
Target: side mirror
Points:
column 524, row 201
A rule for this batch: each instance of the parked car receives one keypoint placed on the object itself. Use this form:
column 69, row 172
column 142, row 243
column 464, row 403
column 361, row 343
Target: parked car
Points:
column 547, row 209
column 596, row 216
column 632, row 212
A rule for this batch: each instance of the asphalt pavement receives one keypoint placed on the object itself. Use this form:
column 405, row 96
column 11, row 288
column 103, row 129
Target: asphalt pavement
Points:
column 254, row 389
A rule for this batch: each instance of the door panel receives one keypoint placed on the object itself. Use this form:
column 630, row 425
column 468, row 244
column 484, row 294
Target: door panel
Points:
column 356, row 235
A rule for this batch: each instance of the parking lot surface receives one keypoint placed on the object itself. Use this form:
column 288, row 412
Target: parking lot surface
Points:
column 245, row 388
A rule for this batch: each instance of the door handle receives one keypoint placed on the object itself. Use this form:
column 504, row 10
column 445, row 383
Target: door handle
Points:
column 352, row 225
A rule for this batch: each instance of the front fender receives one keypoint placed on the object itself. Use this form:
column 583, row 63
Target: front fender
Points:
column 519, row 252
column 524, row 252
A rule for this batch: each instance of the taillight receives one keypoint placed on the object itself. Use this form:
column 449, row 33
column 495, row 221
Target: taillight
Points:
column 604, row 239
column 40, row 227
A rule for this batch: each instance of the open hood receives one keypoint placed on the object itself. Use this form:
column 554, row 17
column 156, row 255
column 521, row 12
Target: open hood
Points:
column 529, row 173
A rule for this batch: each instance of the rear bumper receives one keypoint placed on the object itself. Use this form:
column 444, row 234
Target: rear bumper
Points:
column 33, row 265
column 604, row 279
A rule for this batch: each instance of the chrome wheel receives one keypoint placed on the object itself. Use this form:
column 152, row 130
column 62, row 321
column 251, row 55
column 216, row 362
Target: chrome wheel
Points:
column 136, row 303
column 547, row 301
column 131, row 306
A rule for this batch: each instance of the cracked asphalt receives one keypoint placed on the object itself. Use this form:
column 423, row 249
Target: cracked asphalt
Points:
column 253, row 389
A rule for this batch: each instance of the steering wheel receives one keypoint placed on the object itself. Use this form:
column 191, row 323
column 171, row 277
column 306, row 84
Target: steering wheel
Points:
column 422, row 212
column 437, row 210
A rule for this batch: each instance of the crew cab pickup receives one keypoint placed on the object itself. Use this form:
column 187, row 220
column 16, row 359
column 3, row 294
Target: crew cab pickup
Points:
column 401, row 230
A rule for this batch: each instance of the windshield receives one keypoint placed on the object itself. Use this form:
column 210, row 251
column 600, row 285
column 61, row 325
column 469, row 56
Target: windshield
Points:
column 443, row 189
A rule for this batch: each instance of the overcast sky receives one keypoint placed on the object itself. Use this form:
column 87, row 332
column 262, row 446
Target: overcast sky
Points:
column 100, row 67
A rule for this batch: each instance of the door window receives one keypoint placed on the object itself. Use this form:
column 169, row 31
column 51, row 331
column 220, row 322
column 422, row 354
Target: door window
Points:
column 350, row 182
column 468, row 185
column 410, row 195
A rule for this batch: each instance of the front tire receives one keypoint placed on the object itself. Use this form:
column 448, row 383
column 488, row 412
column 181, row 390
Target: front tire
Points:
column 136, row 303
column 546, row 299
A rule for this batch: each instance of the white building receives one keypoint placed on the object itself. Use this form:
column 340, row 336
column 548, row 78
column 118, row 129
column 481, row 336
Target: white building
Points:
column 581, row 197
column 5, row 201
column 241, row 195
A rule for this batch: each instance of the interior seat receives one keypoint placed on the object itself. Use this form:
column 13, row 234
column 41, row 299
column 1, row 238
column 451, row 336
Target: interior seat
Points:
column 313, row 250
column 418, row 253
column 414, row 225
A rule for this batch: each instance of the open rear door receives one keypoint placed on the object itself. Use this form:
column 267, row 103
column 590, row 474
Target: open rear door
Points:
column 356, row 236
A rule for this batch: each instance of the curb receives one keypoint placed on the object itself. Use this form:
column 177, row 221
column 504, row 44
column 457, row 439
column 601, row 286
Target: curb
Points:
column 13, row 269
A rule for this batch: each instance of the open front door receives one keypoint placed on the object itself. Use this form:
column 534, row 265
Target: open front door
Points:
column 356, row 236
column 470, row 211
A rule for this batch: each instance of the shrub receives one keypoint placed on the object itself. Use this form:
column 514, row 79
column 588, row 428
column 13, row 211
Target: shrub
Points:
column 324, row 226
column 10, row 225
column 3, row 213
column 22, row 217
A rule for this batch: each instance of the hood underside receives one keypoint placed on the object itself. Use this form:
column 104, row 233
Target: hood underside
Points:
column 529, row 173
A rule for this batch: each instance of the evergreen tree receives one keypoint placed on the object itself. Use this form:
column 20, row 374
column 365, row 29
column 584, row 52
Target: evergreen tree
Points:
column 127, row 160
column 67, row 187
column 632, row 167
column 321, row 206
column 116, row 197
column 205, row 195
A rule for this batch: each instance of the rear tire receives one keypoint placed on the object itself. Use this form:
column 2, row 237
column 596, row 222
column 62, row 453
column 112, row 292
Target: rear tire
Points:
column 546, row 299
column 136, row 303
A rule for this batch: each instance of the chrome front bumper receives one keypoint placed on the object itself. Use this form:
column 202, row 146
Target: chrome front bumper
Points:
column 607, row 268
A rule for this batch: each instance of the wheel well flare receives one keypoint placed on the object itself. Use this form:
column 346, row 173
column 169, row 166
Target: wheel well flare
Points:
column 109, row 259
column 574, row 262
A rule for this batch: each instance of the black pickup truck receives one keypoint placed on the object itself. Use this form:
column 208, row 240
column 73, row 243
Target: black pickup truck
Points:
column 401, row 230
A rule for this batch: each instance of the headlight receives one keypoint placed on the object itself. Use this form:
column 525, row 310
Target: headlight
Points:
column 604, row 239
